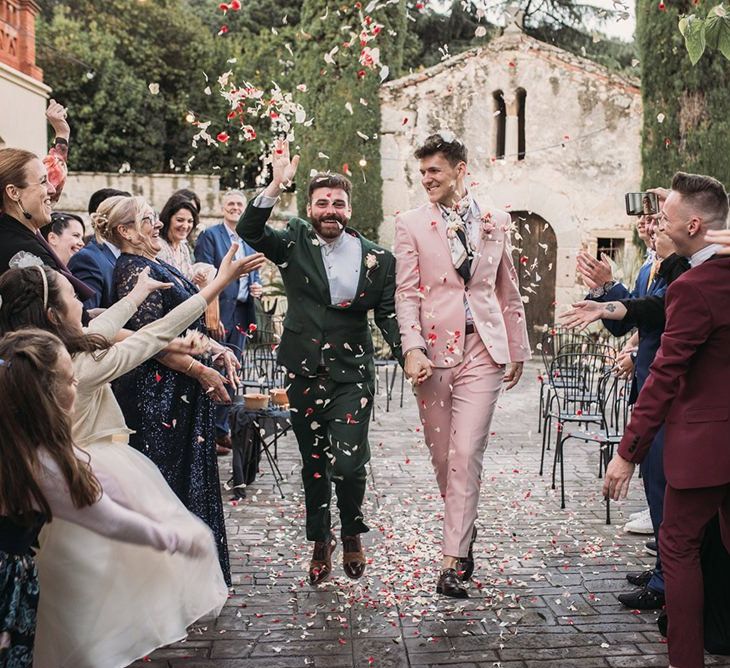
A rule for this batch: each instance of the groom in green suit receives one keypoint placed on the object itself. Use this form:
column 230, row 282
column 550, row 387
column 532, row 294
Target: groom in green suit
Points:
column 333, row 277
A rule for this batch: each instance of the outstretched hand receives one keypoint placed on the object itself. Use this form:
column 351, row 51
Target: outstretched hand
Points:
column 231, row 269
column 145, row 286
column 583, row 314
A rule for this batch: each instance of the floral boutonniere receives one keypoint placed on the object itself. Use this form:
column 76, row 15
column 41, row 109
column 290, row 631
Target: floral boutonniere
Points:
column 371, row 262
column 486, row 224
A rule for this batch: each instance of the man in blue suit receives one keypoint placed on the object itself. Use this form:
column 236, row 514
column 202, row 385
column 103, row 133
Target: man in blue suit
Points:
column 237, row 301
column 94, row 263
column 599, row 278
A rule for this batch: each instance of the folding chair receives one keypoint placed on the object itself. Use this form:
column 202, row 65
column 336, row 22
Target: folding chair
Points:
column 613, row 402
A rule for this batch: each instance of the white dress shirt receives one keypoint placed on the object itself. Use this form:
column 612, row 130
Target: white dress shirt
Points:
column 704, row 254
column 240, row 254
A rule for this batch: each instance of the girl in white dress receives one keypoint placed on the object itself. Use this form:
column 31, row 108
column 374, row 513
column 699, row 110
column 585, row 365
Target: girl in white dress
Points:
column 43, row 478
column 106, row 604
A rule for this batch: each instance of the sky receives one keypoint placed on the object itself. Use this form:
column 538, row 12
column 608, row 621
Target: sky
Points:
column 621, row 29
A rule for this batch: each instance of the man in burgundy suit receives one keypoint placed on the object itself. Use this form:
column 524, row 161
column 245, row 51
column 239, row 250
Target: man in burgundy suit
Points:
column 688, row 388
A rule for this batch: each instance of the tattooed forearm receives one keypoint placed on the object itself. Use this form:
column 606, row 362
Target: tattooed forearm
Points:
column 611, row 308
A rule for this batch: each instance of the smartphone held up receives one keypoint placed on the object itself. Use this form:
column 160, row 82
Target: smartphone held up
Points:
column 641, row 204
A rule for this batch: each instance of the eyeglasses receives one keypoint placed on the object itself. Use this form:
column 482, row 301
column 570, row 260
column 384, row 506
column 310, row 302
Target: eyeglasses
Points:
column 150, row 218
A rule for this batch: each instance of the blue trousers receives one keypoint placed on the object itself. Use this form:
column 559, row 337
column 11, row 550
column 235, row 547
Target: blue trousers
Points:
column 236, row 341
column 652, row 472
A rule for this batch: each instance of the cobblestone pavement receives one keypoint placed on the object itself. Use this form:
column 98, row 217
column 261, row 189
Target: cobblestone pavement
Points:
column 543, row 595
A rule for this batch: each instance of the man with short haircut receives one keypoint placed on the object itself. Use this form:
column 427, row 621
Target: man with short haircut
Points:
column 94, row 263
column 687, row 389
column 462, row 322
column 237, row 302
column 598, row 276
column 333, row 278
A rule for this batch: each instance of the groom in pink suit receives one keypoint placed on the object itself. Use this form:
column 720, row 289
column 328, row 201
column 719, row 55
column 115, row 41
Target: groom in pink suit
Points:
column 463, row 333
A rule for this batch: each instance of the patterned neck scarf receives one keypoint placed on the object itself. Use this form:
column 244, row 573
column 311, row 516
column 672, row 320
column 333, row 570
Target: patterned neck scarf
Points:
column 457, row 233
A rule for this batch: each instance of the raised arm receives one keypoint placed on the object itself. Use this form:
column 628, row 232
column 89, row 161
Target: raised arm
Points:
column 158, row 332
column 252, row 227
column 56, row 162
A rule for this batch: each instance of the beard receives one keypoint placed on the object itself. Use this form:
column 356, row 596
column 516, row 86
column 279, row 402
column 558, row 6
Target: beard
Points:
column 329, row 226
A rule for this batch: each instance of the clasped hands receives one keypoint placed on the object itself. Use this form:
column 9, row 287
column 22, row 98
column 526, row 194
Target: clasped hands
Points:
column 418, row 369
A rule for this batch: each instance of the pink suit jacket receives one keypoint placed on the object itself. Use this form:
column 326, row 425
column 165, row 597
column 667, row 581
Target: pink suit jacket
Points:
column 429, row 298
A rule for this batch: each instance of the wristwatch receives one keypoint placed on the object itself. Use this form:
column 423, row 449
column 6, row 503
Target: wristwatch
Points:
column 601, row 289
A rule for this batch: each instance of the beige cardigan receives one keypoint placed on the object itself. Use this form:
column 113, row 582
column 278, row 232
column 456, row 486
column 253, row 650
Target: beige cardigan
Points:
column 97, row 414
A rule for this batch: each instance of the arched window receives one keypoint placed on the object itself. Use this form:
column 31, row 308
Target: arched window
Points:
column 521, row 96
column 500, row 123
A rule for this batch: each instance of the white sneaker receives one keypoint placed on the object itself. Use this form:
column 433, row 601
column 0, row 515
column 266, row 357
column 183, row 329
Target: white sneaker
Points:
column 641, row 513
column 641, row 525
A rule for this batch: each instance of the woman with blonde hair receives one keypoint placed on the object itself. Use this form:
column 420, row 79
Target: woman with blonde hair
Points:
column 170, row 410
column 117, row 603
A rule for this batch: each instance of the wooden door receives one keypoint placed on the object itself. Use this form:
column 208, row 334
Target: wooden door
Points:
column 535, row 257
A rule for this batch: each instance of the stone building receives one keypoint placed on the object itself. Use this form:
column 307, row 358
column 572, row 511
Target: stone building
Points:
column 553, row 138
column 22, row 91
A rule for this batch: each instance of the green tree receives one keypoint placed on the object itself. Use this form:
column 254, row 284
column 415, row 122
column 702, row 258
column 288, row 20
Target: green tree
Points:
column 685, row 106
column 342, row 96
column 100, row 59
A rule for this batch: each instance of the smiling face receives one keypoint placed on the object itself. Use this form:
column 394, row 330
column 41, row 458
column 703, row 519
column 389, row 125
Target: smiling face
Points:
column 233, row 206
column 329, row 212
column 181, row 224
column 35, row 196
column 442, row 181
column 69, row 242
column 678, row 223
column 141, row 237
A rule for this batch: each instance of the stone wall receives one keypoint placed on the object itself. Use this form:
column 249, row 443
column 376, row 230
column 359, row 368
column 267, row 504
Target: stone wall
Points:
column 156, row 188
column 582, row 133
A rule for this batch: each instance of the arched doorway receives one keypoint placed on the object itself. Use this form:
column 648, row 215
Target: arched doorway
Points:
column 535, row 256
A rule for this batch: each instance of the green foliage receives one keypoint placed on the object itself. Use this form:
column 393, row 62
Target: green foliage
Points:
column 342, row 95
column 685, row 106
column 712, row 31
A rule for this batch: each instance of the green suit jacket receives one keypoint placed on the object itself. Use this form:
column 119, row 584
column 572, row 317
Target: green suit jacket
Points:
column 314, row 329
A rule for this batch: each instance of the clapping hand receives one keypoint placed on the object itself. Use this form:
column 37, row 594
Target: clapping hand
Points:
column 594, row 272
column 624, row 367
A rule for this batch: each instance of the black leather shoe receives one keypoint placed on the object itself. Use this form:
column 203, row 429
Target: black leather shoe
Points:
column 465, row 567
column 450, row 585
column 640, row 579
column 642, row 599
column 651, row 547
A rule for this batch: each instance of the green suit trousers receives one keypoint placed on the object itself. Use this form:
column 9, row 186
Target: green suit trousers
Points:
column 331, row 421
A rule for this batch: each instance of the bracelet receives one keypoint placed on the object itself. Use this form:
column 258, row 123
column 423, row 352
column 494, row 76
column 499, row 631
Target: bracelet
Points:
column 190, row 366
column 60, row 140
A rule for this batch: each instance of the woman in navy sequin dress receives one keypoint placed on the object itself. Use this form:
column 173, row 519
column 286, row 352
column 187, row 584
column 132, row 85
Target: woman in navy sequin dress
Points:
column 170, row 411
